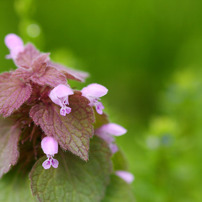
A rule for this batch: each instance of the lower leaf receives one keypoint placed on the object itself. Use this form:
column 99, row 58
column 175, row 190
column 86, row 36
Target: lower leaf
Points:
column 118, row 191
column 15, row 187
column 74, row 180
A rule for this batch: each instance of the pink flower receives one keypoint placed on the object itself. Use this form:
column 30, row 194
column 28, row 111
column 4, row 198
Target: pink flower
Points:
column 126, row 176
column 50, row 147
column 107, row 133
column 59, row 95
column 14, row 44
column 93, row 92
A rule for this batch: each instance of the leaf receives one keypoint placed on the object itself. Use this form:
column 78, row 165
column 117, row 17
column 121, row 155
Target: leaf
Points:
column 5, row 76
column 40, row 73
column 13, row 93
column 25, row 58
column 73, row 131
column 50, row 77
column 15, row 187
column 118, row 191
column 74, row 180
column 9, row 136
column 120, row 161
column 70, row 73
column 100, row 119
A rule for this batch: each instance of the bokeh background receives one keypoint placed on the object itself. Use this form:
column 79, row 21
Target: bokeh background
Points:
column 149, row 55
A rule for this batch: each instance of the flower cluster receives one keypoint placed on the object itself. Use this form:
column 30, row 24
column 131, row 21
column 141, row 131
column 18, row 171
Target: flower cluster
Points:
column 38, row 99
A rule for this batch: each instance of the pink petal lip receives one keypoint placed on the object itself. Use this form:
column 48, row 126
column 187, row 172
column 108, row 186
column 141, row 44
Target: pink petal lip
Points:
column 94, row 90
column 46, row 164
column 55, row 163
column 49, row 146
column 126, row 176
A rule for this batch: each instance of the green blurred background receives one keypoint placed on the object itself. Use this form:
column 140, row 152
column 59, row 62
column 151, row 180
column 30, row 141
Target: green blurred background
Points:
column 149, row 55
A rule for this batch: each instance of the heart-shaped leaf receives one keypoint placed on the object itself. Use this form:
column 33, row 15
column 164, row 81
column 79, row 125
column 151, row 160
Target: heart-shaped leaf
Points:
column 73, row 131
column 74, row 180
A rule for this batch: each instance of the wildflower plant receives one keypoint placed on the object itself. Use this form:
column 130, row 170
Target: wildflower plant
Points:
column 60, row 136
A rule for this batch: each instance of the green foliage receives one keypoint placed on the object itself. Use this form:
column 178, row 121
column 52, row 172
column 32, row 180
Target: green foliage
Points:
column 73, row 132
column 8, row 145
column 148, row 53
column 119, row 161
column 118, row 191
column 74, row 180
column 15, row 187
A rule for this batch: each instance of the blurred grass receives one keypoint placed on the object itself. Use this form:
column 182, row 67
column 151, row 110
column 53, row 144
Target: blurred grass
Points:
column 148, row 53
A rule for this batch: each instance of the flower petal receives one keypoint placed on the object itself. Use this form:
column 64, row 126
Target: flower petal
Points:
column 60, row 91
column 126, row 176
column 112, row 129
column 99, row 107
column 55, row 163
column 94, row 90
column 15, row 44
column 105, row 136
column 113, row 147
column 49, row 146
column 46, row 164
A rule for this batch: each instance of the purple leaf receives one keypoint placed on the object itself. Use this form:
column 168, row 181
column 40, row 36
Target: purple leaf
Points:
column 13, row 93
column 70, row 74
column 40, row 73
column 25, row 58
column 73, row 131
column 9, row 136
column 50, row 77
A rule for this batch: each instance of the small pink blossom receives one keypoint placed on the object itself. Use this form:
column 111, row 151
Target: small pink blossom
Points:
column 126, row 176
column 93, row 92
column 50, row 147
column 60, row 96
column 107, row 133
column 14, row 44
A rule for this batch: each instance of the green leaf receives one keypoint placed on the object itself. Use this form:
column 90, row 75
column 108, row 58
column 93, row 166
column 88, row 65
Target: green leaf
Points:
column 118, row 191
column 120, row 161
column 73, row 131
column 74, row 180
column 15, row 187
column 100, row 119
column 9, row 136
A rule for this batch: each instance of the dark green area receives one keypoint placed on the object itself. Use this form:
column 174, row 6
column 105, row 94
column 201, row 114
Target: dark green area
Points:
column 149, row 54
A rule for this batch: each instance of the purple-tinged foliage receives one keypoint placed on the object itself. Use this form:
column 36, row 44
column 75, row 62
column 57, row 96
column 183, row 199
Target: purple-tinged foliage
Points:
column 13, row 93
column 71, row 74
column 25, row 58
column 44, row 115
column 73, row 132
column 8, row 145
